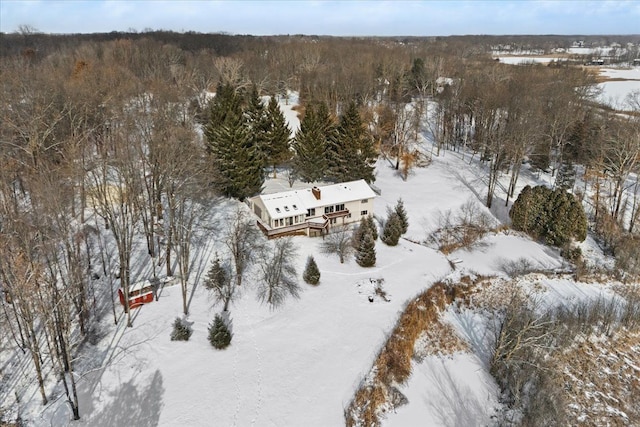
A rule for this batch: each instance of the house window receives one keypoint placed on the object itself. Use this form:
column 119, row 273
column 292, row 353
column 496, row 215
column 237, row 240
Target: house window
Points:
column 286, row 208
column 295, row 208
column 340, row 207
column 278, row 210
column 349, row 215
column 364, row 212
column 328, row 209
column 311, row 212
column 290, row 221
column 281, row 222
column 364, row 201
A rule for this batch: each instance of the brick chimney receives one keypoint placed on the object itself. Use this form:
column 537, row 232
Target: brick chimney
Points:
column 316, row 192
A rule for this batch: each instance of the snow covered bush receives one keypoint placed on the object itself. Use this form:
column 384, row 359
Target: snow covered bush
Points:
column 552, row 215
column 311, row 273
column 219, row 334
column 461, row 229
column 181, row 331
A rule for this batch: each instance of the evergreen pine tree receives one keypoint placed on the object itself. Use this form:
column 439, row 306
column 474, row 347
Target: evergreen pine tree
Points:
column 226, row 103
column 555, row 216
column 218, row 280
column 216, row 275
column 566, row 176
column 359, row 232
column 373, row 227
column 352, row 154
column 277, row 136
column 392, row 230
column 402, row 215
column 237, row 158
column 219, row 334
column 257, row 122
column 366, row 253
column 311, row 273
column 310, row 145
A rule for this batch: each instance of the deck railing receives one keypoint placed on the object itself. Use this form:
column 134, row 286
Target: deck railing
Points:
column 289, row 229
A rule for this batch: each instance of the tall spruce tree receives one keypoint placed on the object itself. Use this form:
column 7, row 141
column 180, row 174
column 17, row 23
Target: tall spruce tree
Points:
column 358, row 233
column 310, row 144
column 366, row 252
column 373, row 227
column 352, row 154
column 257, row 120
column 402, row 215
column 392, row 230
column 277, row 136
column 226, row 103
column 566, row 177
column 231, row 142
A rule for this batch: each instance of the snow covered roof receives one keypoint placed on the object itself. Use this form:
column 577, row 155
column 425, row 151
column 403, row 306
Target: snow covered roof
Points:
column 297, row 202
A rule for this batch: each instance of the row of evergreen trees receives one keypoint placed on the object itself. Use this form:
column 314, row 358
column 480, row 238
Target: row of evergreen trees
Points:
column 244, row 137
column 338, row 151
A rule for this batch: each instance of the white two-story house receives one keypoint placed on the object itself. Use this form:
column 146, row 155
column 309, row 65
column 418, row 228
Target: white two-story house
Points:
column 312, row 211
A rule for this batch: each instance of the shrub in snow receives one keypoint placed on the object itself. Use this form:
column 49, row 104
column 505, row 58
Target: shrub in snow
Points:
column 311, row 273
column 552, row 215
column 219, row 334
column 392, row 230
column 180, row 332
column 570, row 253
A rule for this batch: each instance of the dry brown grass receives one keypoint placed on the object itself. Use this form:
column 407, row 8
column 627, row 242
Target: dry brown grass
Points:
column 420, row 318
column 601, row 380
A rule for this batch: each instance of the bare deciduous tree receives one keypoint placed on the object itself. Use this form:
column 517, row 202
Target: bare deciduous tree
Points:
column 338, row 241
column 278, row 278
column 243, row 241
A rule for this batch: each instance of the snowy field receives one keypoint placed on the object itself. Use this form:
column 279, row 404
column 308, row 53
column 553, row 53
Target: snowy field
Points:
column 300, row 365
column 517, row 60
column 615, row 93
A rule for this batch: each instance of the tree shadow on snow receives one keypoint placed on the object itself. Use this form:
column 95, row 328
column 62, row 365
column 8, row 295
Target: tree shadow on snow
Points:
column 455, row 404
column 130, row 406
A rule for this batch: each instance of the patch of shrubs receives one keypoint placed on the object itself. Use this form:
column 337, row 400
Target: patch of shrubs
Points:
column 219, row 333
column 180, row 331
column 554, row 216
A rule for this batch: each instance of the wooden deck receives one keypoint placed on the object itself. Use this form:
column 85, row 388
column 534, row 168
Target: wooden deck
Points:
column 291, row 230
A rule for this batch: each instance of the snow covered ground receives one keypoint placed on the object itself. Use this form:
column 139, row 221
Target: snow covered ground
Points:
column 300, row 365
column 516, row 60
column 614, row 93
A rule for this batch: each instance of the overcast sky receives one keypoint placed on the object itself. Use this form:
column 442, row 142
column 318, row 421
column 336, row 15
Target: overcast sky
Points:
column 340, row 18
